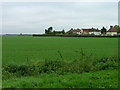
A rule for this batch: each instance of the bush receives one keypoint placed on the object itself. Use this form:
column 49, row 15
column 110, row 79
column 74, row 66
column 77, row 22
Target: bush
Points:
column 81, row 65
column 11, row 68
column 106, row 63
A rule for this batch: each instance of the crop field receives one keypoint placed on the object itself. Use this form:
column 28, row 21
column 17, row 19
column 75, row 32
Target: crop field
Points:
column 20, row 50
column 59, row 62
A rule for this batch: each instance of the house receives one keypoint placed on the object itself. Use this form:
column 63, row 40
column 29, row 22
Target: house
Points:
column 112, row 31
column 95, row 31
column 85, row 31
column 74, row 31
column 91, row 31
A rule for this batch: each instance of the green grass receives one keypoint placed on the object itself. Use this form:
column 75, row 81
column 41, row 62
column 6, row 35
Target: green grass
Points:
column 100, row 79
column 59, row 62
column 20, row 50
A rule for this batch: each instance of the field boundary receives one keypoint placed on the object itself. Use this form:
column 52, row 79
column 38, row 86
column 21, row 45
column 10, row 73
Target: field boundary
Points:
column 38, row 35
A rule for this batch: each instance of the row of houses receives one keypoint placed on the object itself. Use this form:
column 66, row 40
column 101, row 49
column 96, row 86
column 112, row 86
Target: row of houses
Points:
column 92, row 31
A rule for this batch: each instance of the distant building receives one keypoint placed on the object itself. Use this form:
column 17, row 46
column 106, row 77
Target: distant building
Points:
column 112, row 31
column 95, row 31
column 75, row 31
column 85, row 31
column 91, row 31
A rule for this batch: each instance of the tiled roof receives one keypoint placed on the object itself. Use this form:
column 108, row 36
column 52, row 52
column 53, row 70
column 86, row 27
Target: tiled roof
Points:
column 74, row 30
column 91, row 30
column 112, row 29
column 84, row 30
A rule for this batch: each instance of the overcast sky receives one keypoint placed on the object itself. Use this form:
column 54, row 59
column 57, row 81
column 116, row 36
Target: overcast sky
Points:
column 36, row 17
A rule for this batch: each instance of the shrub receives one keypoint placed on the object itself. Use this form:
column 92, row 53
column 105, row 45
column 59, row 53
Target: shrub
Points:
column 11, row 68
column 84, row 64
column 106, row 63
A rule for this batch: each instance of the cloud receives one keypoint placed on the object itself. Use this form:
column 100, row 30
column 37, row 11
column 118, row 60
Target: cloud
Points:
column 59, row 0
column 35, row 17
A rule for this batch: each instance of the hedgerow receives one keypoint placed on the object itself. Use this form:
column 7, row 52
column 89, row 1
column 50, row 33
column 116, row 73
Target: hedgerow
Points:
column 59, row 67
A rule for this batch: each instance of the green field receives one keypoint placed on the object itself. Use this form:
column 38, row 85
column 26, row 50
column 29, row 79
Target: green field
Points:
column 19, row 50
column 59, row 62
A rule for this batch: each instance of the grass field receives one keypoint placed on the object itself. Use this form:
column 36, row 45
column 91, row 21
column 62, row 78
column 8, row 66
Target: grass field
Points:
column 20, row 50
column 59, row 62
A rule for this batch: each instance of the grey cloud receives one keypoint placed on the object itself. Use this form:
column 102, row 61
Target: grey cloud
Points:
column 35, row 17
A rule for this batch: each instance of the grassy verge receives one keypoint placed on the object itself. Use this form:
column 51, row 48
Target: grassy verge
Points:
column 99, row 79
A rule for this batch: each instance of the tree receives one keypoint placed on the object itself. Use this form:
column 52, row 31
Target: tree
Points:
column 20, row 34
column 63, row 31
column 117, row 27
column 46, row 31
column 103, row 30
column 50, row 29
column 54, row 32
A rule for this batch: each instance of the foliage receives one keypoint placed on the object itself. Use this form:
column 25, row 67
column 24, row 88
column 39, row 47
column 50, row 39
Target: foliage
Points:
column 49, row 30
column 117, row 27
column 84, row 64
column 103, row 30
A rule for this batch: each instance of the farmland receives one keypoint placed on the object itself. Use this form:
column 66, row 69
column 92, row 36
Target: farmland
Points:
column 19, row 50
column 52, row 57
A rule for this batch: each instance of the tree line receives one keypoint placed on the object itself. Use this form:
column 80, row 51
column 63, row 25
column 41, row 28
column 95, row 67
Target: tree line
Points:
column 50, row 30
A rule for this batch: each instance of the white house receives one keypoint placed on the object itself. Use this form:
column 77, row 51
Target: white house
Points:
column 112, row 31
column 91, row 31
column 75, row 31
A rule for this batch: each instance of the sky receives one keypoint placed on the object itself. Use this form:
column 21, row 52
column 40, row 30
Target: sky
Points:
column 35, row 17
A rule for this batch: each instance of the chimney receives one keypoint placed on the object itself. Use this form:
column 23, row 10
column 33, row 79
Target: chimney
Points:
column 111, row 26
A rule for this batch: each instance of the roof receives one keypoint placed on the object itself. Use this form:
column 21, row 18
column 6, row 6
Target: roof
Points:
column 91, row 30
column 112, row 29
column 84, row 30
column 74, row 30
